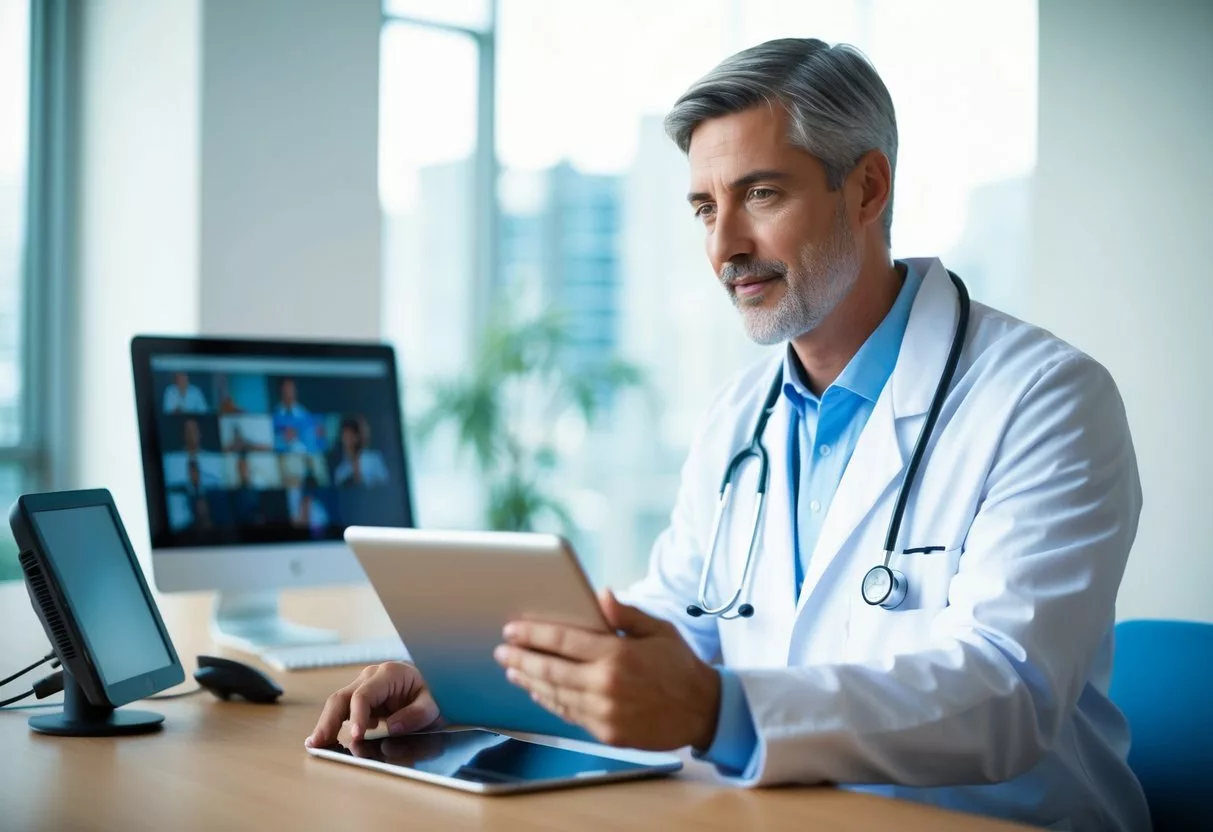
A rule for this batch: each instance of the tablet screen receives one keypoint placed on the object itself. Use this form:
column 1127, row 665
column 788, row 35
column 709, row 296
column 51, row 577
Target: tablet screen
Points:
column 481, row 756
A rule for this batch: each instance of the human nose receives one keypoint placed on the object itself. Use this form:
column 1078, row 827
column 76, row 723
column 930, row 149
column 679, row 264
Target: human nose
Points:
column 731, row 238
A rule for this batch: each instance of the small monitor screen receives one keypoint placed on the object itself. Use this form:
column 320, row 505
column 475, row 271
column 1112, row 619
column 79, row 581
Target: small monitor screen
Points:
column 97, row 574
column 251, row 448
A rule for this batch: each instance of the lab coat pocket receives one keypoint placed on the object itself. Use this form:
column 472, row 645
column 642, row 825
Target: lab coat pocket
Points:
column 929, row 576
column 875, row 632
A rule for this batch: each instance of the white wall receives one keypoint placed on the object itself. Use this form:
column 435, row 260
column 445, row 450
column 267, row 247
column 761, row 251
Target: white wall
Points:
column 228, row 186
column 290, row 216
column 137, row 249
column 1124, row 256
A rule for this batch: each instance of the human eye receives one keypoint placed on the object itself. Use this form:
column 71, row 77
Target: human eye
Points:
column 704, row 210
column 761, row 194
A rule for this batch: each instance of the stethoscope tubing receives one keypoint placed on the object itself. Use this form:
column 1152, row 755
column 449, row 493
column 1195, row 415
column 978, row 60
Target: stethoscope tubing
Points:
column 733, row 608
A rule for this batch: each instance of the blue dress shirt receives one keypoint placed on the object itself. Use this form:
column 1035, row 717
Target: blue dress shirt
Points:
column 821, row 439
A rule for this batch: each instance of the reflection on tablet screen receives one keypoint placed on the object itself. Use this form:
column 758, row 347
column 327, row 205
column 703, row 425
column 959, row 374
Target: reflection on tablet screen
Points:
column 483, row 757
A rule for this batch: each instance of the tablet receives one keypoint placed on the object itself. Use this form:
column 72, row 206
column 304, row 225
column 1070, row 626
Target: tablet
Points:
column 486, row 762
column 450, row 593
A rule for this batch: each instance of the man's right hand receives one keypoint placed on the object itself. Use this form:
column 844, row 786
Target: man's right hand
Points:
column 393, row 692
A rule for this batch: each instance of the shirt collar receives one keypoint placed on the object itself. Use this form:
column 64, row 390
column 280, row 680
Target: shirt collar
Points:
column 870, row 368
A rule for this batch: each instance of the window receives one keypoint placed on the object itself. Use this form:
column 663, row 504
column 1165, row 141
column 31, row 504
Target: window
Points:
column 590, row 218
column 432, row 61
column 15, row 457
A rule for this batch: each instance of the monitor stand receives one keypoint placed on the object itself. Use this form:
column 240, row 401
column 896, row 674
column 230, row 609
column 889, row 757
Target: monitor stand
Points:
column 249, row 621
column 80, row 718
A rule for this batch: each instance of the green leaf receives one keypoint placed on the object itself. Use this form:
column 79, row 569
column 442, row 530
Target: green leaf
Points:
column 545, row 458
column 520, row 356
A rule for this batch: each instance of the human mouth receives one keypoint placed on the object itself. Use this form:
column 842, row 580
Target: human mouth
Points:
column 751, row 287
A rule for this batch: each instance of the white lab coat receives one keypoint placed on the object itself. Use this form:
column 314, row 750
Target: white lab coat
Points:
column 995, row 668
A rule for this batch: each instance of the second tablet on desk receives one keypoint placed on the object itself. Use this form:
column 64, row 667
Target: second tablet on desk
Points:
column 450, row 593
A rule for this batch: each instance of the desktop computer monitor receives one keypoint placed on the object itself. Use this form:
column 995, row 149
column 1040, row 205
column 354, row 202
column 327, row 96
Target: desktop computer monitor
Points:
column 256, row 457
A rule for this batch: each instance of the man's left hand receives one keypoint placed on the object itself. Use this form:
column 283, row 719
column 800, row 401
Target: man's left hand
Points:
column 642, row 689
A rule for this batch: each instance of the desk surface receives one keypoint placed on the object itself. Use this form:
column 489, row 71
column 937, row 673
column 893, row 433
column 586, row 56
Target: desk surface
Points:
column 225, row 766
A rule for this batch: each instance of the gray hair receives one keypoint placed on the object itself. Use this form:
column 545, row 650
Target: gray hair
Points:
column 838, row 107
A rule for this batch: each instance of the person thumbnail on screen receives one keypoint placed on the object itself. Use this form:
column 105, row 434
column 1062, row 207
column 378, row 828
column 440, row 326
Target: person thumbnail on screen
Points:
column 296, row 430
column 226, row 402
column 288, row 399
column 358, row 465
column 312, row 509
column 183, row 396
column 198, row 515
column 237, row 393
column 298, row 470
column 290, row 438
column 252, row 470
column 244, row 434
column 193, row 467
column 250, row 475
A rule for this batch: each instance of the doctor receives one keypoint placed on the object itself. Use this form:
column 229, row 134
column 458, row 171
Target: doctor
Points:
column 967, row 667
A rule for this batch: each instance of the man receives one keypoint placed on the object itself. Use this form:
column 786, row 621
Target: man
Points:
column 183, row 397
column 246, row 497
column 288, row 401
column 181, row 466
column 985, row 690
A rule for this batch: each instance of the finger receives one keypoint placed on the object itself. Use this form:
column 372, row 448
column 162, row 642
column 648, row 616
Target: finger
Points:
column 549, row 703
column 363, row 748
column 418, row 715
column 336, row 709
column 559, row 701
column 565, row 702
column 545, row 668
column 368, row 696
column 631, row 620
column 557, row 639
column 575, row 705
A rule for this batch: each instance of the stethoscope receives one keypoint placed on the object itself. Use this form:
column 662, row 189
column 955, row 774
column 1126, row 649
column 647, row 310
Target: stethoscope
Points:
column 882, row 586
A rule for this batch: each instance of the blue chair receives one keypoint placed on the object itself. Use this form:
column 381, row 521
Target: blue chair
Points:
column 1162, row 679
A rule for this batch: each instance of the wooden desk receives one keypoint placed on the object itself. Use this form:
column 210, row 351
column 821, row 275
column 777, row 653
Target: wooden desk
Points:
column 227, row 766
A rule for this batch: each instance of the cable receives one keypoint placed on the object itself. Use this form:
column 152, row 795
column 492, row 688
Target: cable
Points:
column 195, row 689
column 48, row 685
column 6, row 702
column 48, row 657
column 33, row 706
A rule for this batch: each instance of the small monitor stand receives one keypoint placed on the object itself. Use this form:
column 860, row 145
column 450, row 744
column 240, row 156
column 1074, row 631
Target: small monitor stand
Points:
column 79, row 718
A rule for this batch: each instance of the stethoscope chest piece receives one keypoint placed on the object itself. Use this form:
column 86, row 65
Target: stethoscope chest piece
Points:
column 884, row 587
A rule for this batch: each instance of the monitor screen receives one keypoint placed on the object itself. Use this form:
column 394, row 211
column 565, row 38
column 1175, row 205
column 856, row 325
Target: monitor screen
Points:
column 248, row 444
column 97, row 574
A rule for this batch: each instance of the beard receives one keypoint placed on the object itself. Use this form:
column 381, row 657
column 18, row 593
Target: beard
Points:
column 823, row 276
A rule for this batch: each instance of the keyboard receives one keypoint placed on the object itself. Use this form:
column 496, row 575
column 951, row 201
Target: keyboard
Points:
column 309, row 657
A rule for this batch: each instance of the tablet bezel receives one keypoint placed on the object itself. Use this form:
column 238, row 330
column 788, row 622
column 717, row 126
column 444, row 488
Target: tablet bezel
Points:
column 650, row 764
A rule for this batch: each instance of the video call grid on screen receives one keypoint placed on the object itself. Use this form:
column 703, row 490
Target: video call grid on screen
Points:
column 274, row 449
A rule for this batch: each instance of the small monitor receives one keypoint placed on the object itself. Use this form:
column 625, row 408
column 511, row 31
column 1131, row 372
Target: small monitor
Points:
column 89, row 592
column 256, row 457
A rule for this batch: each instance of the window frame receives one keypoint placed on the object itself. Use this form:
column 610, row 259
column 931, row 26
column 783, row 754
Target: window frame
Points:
column 486, row 171
column 46, row 271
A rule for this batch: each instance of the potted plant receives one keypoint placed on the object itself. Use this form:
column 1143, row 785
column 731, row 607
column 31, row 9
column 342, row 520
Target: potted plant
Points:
column 521, row 376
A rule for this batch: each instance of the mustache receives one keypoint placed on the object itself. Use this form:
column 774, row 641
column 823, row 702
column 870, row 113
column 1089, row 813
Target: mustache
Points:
column 737, row 270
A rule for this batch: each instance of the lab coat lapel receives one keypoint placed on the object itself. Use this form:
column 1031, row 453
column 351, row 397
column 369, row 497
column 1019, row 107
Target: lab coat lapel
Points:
column 874, row 465
column 887, row 440
column 774, row 578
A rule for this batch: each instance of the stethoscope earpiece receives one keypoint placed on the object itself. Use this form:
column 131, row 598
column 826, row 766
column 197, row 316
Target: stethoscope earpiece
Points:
column 694, row 610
